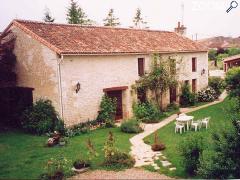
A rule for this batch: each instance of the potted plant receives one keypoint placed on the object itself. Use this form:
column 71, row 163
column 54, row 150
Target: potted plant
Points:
column 80, row 166
column 157, row 146
column 63, row 141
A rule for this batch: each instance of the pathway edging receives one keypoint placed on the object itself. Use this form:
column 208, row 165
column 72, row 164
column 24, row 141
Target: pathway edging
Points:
column 143, row 154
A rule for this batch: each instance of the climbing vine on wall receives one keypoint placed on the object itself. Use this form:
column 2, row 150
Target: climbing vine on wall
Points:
column 161, row 77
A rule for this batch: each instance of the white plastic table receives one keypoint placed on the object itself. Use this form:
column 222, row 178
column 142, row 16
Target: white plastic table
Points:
column 185, row 119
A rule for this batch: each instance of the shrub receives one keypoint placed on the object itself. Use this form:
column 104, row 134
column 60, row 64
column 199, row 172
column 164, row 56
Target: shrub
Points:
column 187, row 98
column 131, row 126
column 41, row 118
column 190, row 150
column 107, row 109
column 92, row 153
column 146, row 112
column 56, row 168
column 172, row 107
column 157, row 146
column 114, row 157
column 119, row 159
column 223, row 161
column 207, row 95
column 217, row 84
column 233, row 82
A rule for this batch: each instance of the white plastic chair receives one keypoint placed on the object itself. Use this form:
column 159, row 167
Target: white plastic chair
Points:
column 205, row 122
column 196, row 125
column 179, row 127
column 182, row 114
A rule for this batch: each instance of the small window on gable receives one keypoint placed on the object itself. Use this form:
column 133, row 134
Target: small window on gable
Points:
column 140, row 66
column 194, row 64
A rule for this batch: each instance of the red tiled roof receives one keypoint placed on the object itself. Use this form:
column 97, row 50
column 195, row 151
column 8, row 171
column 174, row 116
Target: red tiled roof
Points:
column 232, row 58
column 76, row 39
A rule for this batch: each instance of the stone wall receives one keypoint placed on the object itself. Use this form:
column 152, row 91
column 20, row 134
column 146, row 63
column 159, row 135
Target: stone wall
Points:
column 36, row 67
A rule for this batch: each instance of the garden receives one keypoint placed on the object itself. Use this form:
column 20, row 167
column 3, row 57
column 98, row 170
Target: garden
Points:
column 208, row 153
column 44, row 148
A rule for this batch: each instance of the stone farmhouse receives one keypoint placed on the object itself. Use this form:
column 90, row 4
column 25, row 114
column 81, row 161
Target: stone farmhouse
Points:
column 232, row 61
column 74, row 65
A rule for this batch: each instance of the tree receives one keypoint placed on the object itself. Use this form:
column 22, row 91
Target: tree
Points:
column 233, row 82
column 233, row 51
column 76, row 15
column 47, row 16
column 161, row 77
column 223, row 161
column 138, row 20
column 7, row 60
column 111, row 20
column 212, row 55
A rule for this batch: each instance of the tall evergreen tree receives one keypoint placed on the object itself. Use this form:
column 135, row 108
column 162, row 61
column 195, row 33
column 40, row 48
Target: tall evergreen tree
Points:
column 111, row 20
column 47, row 16
column 76, row 15
column 138, row 20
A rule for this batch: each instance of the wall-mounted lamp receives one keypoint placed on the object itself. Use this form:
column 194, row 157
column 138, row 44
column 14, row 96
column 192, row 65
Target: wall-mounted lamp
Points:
column 78, row 87
column 203, row 71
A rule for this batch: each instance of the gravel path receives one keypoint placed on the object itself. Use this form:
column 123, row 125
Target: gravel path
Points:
column 134, row 173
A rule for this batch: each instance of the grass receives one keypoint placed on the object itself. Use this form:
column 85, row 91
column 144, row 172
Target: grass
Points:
column 24, row 156
column 166, row 134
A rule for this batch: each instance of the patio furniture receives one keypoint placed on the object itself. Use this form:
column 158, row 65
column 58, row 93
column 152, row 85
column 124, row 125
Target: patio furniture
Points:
column 182, row 114
column 205, row 121
column 179, row 127
column 185, row 119
column 196, row 125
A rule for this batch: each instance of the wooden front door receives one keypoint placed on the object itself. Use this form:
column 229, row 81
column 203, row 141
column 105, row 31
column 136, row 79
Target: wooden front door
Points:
column 173, row 95
column 118, row 96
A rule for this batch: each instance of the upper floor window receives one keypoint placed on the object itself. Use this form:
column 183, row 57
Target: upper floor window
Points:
column 173, row 67
column 140, row 66
column 194, row 64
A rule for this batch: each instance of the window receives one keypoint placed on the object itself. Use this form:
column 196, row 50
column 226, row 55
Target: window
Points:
column 186, row 82
column 194, row 85
column 194, row 64
column 173, row 66
column 140, row 66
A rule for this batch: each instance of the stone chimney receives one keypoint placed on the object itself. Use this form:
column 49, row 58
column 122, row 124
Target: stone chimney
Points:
column 180, row 29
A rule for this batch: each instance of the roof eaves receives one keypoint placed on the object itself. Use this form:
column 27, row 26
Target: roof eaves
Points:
column 127, row 53
column 35, row 36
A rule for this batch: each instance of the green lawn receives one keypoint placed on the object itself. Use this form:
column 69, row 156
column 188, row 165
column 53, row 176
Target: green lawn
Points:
column 166, row 134
column 24, row 156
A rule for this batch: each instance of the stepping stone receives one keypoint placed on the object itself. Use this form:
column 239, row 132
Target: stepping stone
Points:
column 164, row 157
column 154, row 165
column 157, row 168
column 166, row 163
column 172, row 169
column 156, row 158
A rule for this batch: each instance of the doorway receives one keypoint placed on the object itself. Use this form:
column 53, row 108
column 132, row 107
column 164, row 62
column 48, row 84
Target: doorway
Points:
column 173, row 94
column 118, row 96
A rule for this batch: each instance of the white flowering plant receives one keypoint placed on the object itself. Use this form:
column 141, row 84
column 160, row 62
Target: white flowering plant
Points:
column 207, row 95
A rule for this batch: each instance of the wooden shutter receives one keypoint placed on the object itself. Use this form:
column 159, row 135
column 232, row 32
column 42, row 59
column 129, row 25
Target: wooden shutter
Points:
column 140, row 66
column 194, row 64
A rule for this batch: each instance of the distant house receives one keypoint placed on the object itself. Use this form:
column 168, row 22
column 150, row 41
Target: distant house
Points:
column 74, row 66
column 233, row 61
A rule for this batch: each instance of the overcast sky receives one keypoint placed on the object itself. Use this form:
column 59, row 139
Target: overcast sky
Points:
column 205, row 17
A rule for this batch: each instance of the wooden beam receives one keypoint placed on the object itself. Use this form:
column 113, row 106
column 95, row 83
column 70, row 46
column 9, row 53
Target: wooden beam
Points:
column 119, row 88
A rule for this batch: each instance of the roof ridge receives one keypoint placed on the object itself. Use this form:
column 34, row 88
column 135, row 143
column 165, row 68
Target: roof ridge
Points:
column 90, row 26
